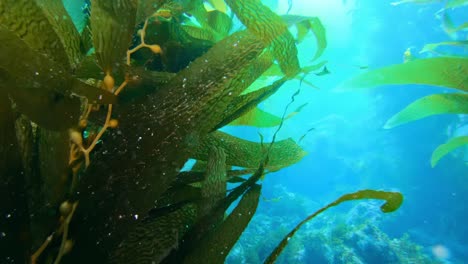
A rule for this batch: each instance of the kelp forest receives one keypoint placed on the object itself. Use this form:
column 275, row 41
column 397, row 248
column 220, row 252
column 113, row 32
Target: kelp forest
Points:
column 97, row 123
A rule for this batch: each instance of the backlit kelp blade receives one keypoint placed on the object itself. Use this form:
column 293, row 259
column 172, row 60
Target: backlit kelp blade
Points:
column 257, row 118
column 248, row 154
column 456, row 3
column 304, row 25
column 28, row 21
column 244, row 103
column 393, row 201
column 112, row 26
column 451, row 72
column 444, row 149
column 433, row 46
column 271, row 30
column 455, row 103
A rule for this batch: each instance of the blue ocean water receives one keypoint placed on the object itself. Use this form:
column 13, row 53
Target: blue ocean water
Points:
column 349, row 150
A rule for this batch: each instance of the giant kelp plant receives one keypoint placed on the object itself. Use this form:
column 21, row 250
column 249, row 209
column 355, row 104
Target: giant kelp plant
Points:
column 96, row 125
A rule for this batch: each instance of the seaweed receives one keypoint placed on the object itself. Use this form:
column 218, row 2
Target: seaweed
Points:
column 393, row 201
column 101, row 121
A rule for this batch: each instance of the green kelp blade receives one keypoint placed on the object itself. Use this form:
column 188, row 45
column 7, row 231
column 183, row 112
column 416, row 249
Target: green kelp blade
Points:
column 112, row 26
column 454, row 103
column 216, row 245
column 415, row 2
column 271, row 30
column 432, row 46
column 444, row 149
column 63, row 25
column 305, row 24
column 451, row 72
column 257, row 118
column 393, row 201
column 247, row 102
column 27, row 20
column 456, row 3
column 248, row 154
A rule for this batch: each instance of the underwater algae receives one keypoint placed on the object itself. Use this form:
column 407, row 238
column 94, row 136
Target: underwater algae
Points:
column 96, row 125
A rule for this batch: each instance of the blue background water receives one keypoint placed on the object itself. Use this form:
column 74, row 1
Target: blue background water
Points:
column 349, row 150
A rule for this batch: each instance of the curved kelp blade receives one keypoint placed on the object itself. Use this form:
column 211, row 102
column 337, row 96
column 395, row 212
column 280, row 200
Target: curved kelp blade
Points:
column 455, row 103
column 215, row 25
column 444, row 149
column 304, row 25
column 257, row 118
column 248, row 154
column 431, row 47
column 62, row 23
column 271, row 30
column 393, row 200
column 146, row 8
column 28, row 21
column 216, row 245
column 247, row 102
column 451, row 72
column 112, row 26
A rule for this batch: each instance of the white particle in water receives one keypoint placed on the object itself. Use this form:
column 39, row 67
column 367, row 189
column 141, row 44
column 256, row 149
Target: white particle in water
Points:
column 8, row 215
column 3, row 234
column 136, row 217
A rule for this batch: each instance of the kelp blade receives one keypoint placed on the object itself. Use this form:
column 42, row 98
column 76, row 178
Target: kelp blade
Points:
column 248, row 154
column 271, row 30
column 28, row 21
column 112, row 26
column 257, row 118
column 216, row 245
column 454, row 103
column 393, row 201
column 451, row 72
column 444, row 149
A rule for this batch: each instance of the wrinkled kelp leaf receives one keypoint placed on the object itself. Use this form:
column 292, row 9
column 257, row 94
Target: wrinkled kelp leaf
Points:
column 257, row 118
column 444, row 149
column 269, row 28
column 215, row 25
column 209, row 223
column 455, row 103
column 451, row 72
column 41, row 88
column 216, row 245
column 112, row 26
column 249, row 154
column 154, row 238
column 63, row 25
column 27, row 20
column 433, row 46
column 393, row 201
column 213, row 187
column 304, row 25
